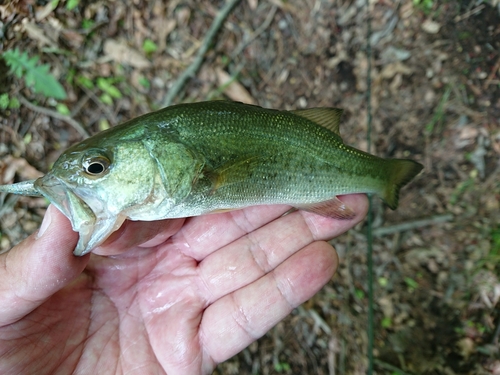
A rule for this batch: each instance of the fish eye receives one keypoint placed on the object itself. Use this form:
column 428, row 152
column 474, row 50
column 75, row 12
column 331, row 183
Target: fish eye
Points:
column 96, row 166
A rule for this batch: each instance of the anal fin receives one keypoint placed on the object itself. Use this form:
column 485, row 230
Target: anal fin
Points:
column 331, row 208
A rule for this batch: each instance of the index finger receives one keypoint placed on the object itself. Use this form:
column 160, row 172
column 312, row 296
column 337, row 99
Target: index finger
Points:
column 202, row 235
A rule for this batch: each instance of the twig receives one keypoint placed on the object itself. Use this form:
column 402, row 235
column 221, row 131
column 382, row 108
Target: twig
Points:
column 256, row 33
column 49, row 112
column 109, row 115
column 412, row 225
column 490, row 80
column 469, row 13
column 207, row 42
column 387, row 366
column 20, row 145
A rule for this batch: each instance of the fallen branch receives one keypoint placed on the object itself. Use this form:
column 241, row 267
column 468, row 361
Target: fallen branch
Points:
column 244, row 43
column 49, row 112
column 196, row 64
column 403, row 227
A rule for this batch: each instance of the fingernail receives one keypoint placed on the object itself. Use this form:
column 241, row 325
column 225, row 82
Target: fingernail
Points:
column 45, row 223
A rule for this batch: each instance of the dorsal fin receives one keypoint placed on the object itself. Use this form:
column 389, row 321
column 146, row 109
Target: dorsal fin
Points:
column 327, row 117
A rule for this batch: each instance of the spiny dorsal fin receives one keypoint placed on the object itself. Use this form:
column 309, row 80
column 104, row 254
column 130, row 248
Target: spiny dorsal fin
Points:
column 327, row 117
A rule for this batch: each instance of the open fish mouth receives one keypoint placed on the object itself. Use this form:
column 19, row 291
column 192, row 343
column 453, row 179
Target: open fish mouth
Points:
column 93, row 230
column 55, row 191
column 73, row 207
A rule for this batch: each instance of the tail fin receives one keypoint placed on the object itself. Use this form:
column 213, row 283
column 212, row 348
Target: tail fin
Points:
column 401, row 172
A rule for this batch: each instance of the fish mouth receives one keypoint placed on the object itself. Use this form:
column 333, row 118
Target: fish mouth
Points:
column 93, row 227
column 55, row 191
column 80, row 215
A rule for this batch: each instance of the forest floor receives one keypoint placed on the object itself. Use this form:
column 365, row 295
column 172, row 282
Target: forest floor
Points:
column 435, row 98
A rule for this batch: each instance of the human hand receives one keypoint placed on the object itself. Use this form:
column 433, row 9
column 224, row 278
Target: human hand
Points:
column 173, row 296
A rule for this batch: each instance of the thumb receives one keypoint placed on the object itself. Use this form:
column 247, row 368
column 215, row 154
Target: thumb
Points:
column 38, row 267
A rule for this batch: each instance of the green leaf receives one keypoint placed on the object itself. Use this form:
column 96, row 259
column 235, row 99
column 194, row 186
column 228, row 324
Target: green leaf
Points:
column 85, row 82
column 411, row 283
column 144, row 82
column 4, row 101
column 62, row 109
column 36, row 76
column 14, row 103
column 103, row 124
column 27, row 138
column 149, row 46
column 106, row 99
column 108, row 88
column 72, row 4
column 87, row 24
column 386, row 322
column 359, row 293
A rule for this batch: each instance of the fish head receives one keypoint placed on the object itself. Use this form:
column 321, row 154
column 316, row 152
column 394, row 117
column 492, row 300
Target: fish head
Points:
column 96, row 184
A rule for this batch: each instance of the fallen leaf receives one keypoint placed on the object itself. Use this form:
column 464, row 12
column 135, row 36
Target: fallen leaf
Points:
column 19, row 166
column 44, row 11
column 253, row 4
column 122, row 53
column 390, row 70
column 233, row 89
column 36, row 33
column 430, row 26
column 466, row 347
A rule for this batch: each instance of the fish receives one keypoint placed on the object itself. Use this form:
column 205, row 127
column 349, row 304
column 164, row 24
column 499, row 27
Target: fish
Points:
column 207, row 157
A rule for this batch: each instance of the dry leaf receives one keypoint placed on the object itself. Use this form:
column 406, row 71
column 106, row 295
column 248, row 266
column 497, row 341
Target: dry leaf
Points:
column 19, row 166
column 252, row 4
column 431, row 27
column 390, row 70
column 44, row 11
column 36, row 33
column 234, row 90
column 120, row 52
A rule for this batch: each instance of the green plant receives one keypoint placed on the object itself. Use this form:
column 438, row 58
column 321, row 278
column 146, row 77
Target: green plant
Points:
column 149, row 47
column 4, row 101
column 72, row 4
column 424, row 5
column 110, row 91
column 282, row 367
column 411, row 283
column 36, row 76
column 439, row 113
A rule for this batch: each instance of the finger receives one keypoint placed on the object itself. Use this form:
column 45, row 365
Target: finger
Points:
column 322, row 227
column 202, row 235
column 205, row 234
column 142, row 234
column 240, row 318
column 38, row 267
column 252, row 256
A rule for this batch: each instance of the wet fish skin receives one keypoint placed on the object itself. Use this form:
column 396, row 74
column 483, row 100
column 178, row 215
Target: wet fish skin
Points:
column 193, row 159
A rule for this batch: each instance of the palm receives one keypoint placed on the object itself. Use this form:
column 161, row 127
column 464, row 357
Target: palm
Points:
column 190, row 296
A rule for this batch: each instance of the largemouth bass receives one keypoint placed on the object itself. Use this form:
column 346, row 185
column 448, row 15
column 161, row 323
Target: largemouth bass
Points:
column 193, row 159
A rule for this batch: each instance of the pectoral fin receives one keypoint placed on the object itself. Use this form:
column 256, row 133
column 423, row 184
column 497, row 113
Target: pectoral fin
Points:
column 234, row 172
column 332, row 208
